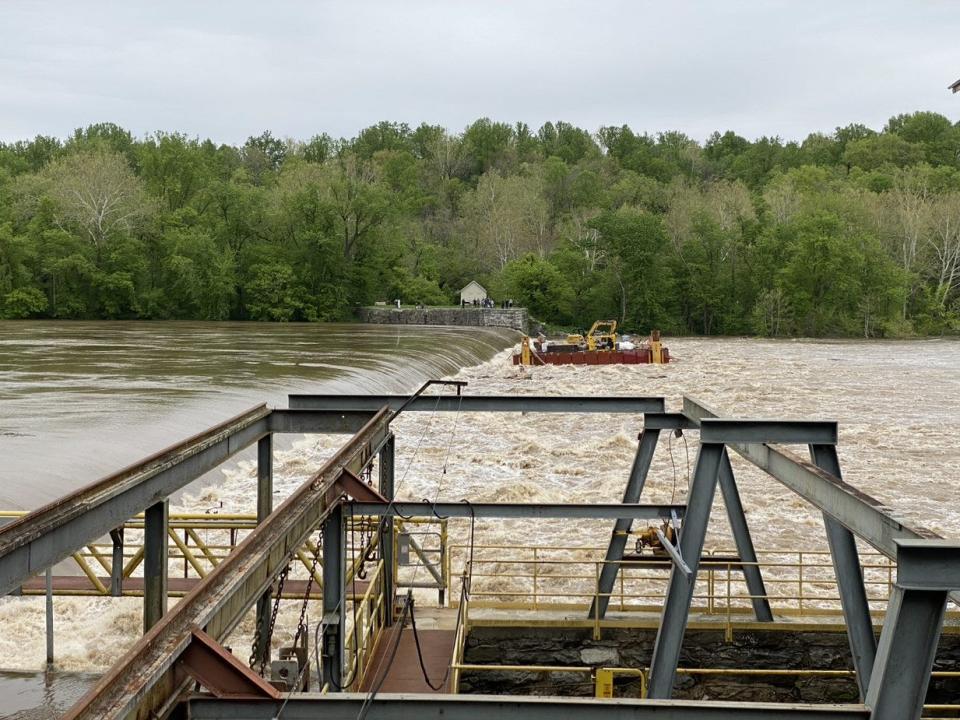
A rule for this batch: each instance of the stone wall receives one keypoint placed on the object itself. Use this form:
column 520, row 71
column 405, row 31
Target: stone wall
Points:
column 631, row 648
column 516, row 318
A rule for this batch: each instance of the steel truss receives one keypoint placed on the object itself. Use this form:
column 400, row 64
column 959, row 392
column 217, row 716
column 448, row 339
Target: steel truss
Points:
column 149, row 681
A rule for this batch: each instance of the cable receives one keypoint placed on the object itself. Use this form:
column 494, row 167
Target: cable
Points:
column 673, row 492
column 401, row 622
column 464, row 596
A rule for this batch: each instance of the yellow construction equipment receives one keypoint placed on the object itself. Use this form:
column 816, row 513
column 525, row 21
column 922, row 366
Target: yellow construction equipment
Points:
column 602, row 336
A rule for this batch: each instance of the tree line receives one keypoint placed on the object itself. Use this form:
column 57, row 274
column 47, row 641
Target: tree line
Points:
column 854, row 233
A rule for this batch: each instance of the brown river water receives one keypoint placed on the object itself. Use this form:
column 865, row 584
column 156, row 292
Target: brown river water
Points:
column 79, row 400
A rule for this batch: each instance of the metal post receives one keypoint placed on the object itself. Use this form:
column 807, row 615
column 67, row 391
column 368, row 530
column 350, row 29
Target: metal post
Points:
column 908, row 646
column 264, row 508
column 846, row 566
column 387, row 461
column 744, row 543
column 49, row 616
column 116, row 564
column 676, row 606
column 155, row 563
column 333, row 601
column 621, row 528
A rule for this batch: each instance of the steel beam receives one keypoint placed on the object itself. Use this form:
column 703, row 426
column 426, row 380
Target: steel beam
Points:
column 319, row 421
column 480, row 403
column 49, row 609
column 926, row 571
column 145, row 681
column 387, row 464
column 155, row 564
column 801, row 432
column 621, row 529
column 116, row 562
column 532, row 511
column 908, row 646
column 264, row 508
column 49, row 534
column 346, row 706
column 743, row 541
column 866, row 517
column 334, row 608
column 668, row 421
column 849, row 574
column 676, row 606
column 928, row 564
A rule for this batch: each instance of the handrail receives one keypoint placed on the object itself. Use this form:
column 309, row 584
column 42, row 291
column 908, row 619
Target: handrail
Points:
column 523, row 576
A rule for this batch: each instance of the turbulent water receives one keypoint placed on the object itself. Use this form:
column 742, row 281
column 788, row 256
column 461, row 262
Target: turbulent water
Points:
column 78, row 400
column 897, row 403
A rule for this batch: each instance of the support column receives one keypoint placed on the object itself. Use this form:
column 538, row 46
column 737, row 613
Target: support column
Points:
column 621, row 529
column 744, row 543
column 155, row 563
column 334, row 613
column 49, row 616
column 116, row 564
column 908, row 646
column 264, row 508
column 676, row 606
column 387, row 462
column 846, row 567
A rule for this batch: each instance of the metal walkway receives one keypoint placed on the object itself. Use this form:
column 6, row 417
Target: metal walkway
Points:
column 400, row 672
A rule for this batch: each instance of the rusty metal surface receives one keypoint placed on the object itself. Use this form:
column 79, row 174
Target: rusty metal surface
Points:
column 47, row 535
column 220, row 672
column 358, row 489
column 144, row 683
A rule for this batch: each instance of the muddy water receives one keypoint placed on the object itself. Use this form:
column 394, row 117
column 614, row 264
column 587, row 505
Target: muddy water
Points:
column 78, row 400
column 897, row 404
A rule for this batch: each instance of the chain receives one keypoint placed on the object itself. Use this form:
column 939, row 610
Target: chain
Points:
column 302, row 624
column 257, row 649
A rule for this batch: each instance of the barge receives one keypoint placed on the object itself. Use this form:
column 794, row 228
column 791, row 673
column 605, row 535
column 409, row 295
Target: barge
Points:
column 600, row 346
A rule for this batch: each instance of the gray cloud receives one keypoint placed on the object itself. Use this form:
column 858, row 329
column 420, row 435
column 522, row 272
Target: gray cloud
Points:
column 230, row 70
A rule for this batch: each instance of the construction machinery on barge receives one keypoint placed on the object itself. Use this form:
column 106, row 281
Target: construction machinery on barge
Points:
column 601, row 345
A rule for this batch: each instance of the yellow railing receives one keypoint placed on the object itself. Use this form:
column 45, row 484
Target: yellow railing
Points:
column 198, row 542
column 460, row 639
column 541, row 578
column 602, row 678
column 366, row 618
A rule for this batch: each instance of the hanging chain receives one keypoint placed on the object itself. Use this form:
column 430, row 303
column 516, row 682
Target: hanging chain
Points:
column 302, row 624
column 258, row 651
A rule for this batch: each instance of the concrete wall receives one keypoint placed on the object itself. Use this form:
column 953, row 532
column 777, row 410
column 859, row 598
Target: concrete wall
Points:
column 515, row 318
column 628, row 647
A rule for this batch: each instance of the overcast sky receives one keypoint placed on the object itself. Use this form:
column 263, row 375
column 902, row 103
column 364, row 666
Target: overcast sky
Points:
column 233, row 69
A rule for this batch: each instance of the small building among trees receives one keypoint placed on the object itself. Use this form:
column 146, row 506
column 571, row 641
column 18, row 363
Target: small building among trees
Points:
column 472, row 291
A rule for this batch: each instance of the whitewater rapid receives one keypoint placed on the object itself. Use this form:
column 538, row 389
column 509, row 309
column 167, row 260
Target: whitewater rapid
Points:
column 896, row 403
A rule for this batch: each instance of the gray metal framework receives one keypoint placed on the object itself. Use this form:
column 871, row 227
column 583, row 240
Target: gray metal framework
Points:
column 148, row 681
column 479, row 403
column 346, row 706
column 530, row 511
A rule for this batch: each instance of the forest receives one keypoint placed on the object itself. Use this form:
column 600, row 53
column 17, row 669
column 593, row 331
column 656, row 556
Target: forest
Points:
column 855, row 232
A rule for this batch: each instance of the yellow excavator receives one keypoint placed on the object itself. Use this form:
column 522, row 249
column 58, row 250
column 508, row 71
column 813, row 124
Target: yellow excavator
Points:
column 601, row 336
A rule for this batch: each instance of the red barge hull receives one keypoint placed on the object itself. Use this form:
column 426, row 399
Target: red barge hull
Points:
column 640, row 356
